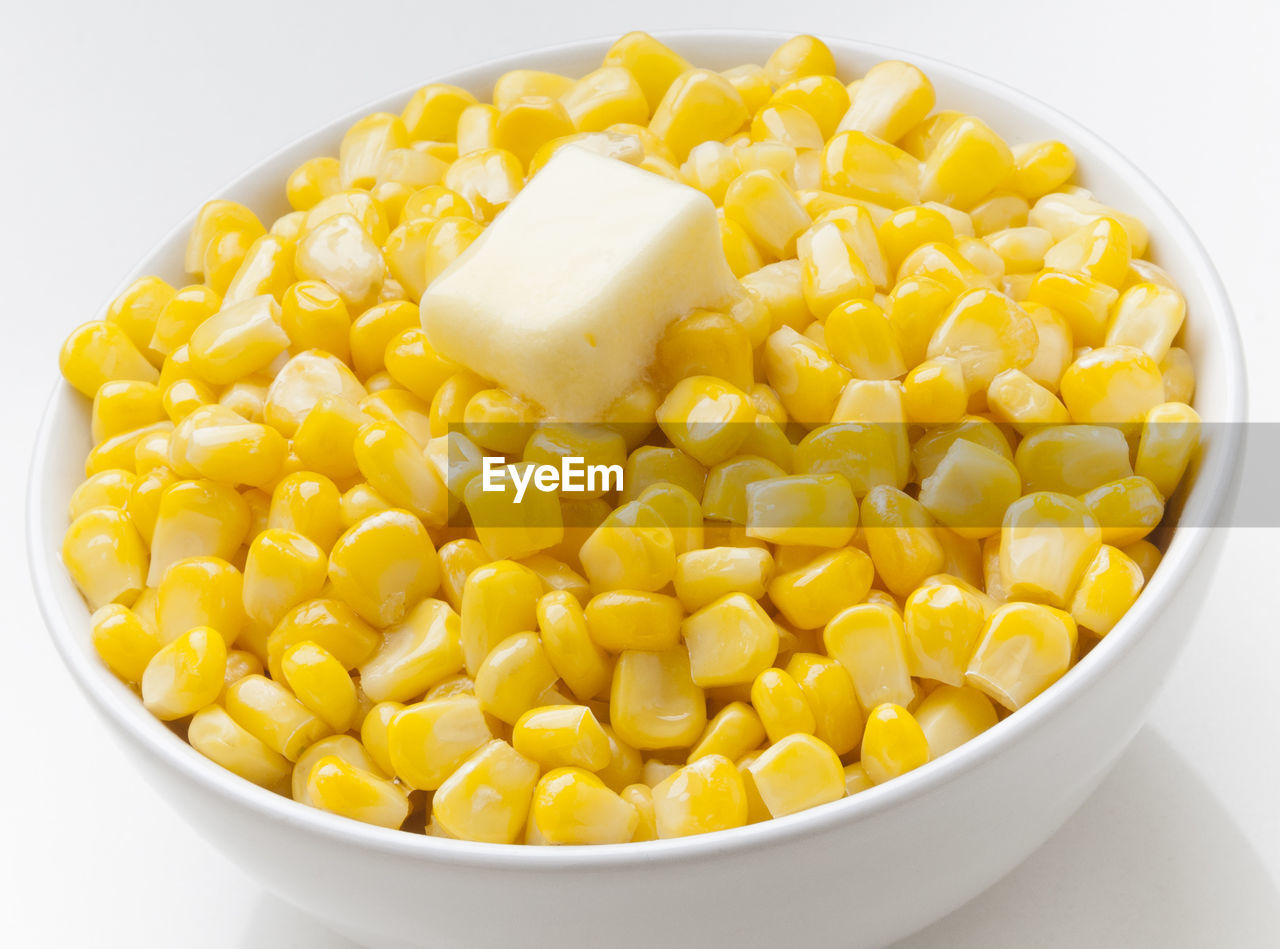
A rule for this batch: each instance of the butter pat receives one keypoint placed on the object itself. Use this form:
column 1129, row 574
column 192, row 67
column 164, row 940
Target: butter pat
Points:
column 562, row 300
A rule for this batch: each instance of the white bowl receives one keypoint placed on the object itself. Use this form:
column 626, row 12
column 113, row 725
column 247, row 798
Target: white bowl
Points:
column 859, row 872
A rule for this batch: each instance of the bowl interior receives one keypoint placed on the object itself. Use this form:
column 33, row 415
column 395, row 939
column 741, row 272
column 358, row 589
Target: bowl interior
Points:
column 1211, row 338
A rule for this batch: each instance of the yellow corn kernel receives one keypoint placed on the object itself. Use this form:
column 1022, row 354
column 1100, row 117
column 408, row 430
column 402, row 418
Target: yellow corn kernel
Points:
column 343, row 747
column 185, row 675
column 930, row 448
column 625, row 765
column 499, row 599
column 528, row 123
column 679, row 511
column 951, row 715
column 856, row 779
column 942, row 623
column 374, row 734
column 779, row 290
column 800, row 56
column 514, row 677
column 698, row 106
column 558, row 576
column 1041, row 167
column 970, row 488
column 705, row 343
column 196, row 518
column 238, row 452
column 1072, row 459
column 401, row 171
column 731, row 641
column 934, row 392
column 307, row 503
column 397, row 468
column 766, row 402
column 428, row 741
column 181, row 314
column 753, row 85
column 357, row 203
column 805, row 376
column 761, row 203
column 1082, row 301
column 901, row 539
column 219, row 240
column 434, row 203
column 858, row 165
column 1017, row 398
column 829, row 692
column 313, row 316
column 608, row 96
column 269, row 712
column 582, row 665
column 986, row 333
column 321, row 684
column 238, row 340
column 1110, row 585
column 710, row 168
column 1126, row 509
column 143, row 505
column 822, row 97
column 704, row 796
column 891, row 99
column 519, row 84
column 477, row 128
column 861, row 337
column 300, row 385
column 511, row 529
column 797, row 773
column 915, row 309
column 654, row 66
column 562, row 736
column 633, row 549
column 982, row 258
column 706, row 417
column 833, row 271
column 200, row 591
column 909, row 228
column 705, row 575
column 967, row 163
column 326, row 438
column 431, row 113
column 282, row 569
column 868, row 640
column 422, row 649
column 653, row 701
column 1022, row 249
column 724, row 496
column 1099, row 250
column 781, row 705
column 1054, row 346
column 384, row 565
column 336, row 786
column 458, row 558
column 573, row 806
column 101, row 352
column 813, row 509
column 1025, row 648
column 328, row 623
column 1112, row 384
column 373, row 331
column 267, row 268
column 892, row 744
column 412, row 362
column 1170, row 436
column 814, row 592
column 733, row 732
column 1179, row 375
column 151, row 451
column 314, row 179
column 110, row 488
column 185, row 396
column 628, row 619
column 123, row 641
column 1046, row 543
column 1146, row 555
column 105, row 556
column 1148, row 317
column 488, row 797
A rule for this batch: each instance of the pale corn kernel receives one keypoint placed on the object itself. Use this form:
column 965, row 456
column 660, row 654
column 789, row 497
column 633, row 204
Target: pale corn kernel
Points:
column 1072, row 459
column 1047, row 541
column 1147, row 316
column 779, row 289
column 951, row 715
column 781, row 705
column 1178, row 373
column 1170, row 435
column 730, row 641
column 1018, row 399
column 892, row 744
column 654, row 703
column 1054, row 346
column 733, row 732
column 428, row 741
column 1127, row 509
column 1062, row 212
column 856, row 779
column 1000, row 212
column 705, row 575
column 868, row 641
column 704, row 796
column 214, row 734
column 1021, row 249
column 813, row 509
column 762, row 204
column 1110, row 585
column 810, row 595
column 753, row 84
column 970, row 489
column 891, row 98
column 185, row 675
column 422, row 649
column 562, row 736
column 797, row 773
column 488, row 797
column 1025, row 648
column 514, row 677
column 786, row 123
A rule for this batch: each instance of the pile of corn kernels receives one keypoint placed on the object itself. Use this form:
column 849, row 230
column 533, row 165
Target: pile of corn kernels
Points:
column 963, row 412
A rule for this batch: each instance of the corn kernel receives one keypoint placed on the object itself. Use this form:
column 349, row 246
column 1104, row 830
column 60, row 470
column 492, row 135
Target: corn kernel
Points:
column 1041, row 167
column 858, row 165
column 123, row 641
column 797, row 773
column 653, row 701
column 200, row 591
column 428, row 741
column 829, row 692
column 892, row 744
column 325, row 622
column 901, row 539
column 514, row 677
column 733, row 732
column 1025, row 648
column 1082, row 301
column 1110, row 585
column 432, row 112
column 730, row 641
column 810, row 595
column 800, row 56
column 1047, row 542
column 704, row 796
column 781, row 705
column 562, row 736
column 1147, row 316
column 185, row 675
column 488, row 797
column 416, row 653
column 488, row 179
column 384, row 565
column 705, row 575
column 573, row 806
column 334, row 785
column 986, row 333
column 1112, row 384
column 814, row 509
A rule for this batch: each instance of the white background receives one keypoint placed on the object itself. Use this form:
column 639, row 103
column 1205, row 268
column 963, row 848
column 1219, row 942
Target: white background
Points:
column 118, row 118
